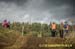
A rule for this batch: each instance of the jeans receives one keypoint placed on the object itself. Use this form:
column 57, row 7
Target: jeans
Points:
column 53, row 32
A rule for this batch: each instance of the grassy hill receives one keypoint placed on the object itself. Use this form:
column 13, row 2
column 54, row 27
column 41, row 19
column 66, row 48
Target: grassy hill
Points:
column 10, row 39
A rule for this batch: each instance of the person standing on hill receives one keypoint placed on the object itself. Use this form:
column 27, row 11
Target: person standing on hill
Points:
column 66, row 28
column 53, row 29
column 5, row 24
column 61, row 30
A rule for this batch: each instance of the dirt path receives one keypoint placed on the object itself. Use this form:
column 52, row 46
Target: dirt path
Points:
column 70, row 35
column 31, row 42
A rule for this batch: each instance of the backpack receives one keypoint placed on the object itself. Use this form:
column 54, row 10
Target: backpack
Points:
column 65, row 26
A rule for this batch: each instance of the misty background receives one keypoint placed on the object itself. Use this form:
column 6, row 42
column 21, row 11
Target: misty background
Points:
column 43, row 11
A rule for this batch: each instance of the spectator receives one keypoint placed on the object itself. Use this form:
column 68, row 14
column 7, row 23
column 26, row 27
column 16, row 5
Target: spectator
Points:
column 66, row 27
column 61, row 30
column 5, row 24
column 53, row 29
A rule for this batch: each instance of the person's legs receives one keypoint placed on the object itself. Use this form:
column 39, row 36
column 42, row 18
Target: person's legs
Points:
column 61, row 33
column 8, row 26
column 53, row 33
column 66, row 31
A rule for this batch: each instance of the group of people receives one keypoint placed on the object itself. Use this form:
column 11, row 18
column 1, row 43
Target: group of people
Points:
column 63, row 28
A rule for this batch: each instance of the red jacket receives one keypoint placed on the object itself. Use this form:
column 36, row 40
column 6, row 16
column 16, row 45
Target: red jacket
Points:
column 5, row 24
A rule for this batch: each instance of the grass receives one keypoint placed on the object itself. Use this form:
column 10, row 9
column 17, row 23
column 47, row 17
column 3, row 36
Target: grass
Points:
column 10, row 39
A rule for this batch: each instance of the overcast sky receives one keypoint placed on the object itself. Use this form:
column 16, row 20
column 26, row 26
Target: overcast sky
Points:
column 42, row 11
